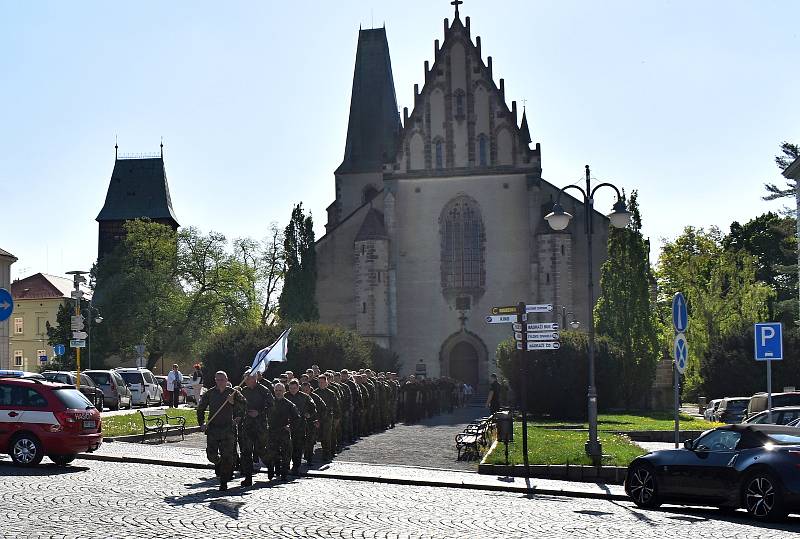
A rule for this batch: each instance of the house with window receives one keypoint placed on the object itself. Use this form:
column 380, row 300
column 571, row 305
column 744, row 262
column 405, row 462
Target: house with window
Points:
column 439, row 214
column 36, row 302
column 6, row 259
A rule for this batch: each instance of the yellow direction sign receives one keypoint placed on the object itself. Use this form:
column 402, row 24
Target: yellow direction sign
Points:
column 505, row 310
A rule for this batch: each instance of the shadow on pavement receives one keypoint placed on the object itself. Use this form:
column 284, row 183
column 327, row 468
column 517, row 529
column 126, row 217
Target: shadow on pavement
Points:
column 8, row 468
column 695, row 515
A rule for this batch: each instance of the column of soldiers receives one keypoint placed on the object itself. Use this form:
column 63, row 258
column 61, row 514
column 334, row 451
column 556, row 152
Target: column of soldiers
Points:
column 279, row 422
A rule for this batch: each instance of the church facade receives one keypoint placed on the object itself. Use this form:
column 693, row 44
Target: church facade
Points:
column 439, row 216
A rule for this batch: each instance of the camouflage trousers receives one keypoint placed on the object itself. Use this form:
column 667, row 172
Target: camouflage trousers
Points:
column 326, row 438
column 310, row 440
column 221, row 451
column 279, row 450
column 252, row 442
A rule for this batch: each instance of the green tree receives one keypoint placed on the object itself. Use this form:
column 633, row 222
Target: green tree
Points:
column 298, row 302
column 625, row 310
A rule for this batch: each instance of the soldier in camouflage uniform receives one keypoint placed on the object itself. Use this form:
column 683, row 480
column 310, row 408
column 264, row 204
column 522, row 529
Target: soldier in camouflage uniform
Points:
column 226, row 407
column 358, row 403
column 346, row 434
column 328, row 395
column 282, row 418
column 308, row 415
column 313, row 429
column 253, row 431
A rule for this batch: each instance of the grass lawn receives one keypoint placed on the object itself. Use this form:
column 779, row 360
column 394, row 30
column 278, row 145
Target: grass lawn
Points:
column 560, row 447
column 628, row 422
column 122, row 425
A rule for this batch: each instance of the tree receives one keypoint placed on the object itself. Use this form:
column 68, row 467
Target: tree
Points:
column 789, row 153
column 721, row 289
column 273, row 269
column 625, row 310
column 298, row 301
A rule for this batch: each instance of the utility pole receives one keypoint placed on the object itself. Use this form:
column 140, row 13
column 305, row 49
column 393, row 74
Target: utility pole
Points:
column 76, row 324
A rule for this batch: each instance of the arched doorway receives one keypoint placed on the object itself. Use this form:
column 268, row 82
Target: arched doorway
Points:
column 463, row 363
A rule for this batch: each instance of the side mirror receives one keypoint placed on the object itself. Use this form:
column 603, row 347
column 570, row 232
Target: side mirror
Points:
column 688, row 444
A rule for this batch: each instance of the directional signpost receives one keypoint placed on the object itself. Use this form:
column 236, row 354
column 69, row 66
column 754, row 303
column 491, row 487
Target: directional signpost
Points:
column 769, row 348
column 501, row 319
column 546, row 308
column 680, row 356
column 6, row 304
column 77, row 343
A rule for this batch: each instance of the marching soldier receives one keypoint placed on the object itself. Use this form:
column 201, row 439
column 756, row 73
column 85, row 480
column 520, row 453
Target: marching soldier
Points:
column 282, row 418
column 302, row 428
column 312, row 429
column 346, row 433
column 226, row 406
column 326, row 422
column 253, row 432
column 358, row 403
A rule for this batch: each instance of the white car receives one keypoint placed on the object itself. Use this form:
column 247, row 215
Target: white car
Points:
column 145, row 389
column 711, row 409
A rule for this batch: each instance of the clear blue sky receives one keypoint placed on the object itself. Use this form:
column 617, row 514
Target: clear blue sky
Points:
column 686, row 101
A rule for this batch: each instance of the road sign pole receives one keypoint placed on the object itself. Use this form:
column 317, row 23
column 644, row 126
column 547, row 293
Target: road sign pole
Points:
column 677, row 378
column 769, row 390
column 524, row 389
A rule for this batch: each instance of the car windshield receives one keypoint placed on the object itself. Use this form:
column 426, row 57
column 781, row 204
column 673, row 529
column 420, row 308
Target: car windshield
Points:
column 100, row 378
column 736, row 406
column 132, row 377
column 785, row 439
column 785, row 400
column 72, row 398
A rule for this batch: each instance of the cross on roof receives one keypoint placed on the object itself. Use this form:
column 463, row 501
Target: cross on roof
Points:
column 456, row 3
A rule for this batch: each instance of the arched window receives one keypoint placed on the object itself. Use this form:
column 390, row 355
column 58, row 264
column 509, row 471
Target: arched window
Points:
column 438, row 154
column 483, row 150
column 462, row 243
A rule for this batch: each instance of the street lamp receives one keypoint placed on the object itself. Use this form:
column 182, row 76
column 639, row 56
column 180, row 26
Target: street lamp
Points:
column 573, row 323
column 558, row 219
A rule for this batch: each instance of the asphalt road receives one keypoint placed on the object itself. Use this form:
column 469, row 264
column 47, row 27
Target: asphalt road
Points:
column 102, row 499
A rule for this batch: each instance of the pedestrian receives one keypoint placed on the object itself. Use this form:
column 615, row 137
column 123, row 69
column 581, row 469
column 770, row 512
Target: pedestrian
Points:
column 282, row 418
column 326, row 423
column 226, row 407
column 197, row 382
column 253, row 432
column 302, row 429
column 174, row 384
column 313, row 429
column 493, row 400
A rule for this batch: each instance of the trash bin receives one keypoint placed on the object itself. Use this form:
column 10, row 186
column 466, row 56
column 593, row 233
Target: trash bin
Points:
column 702, row 403
column 505, row 426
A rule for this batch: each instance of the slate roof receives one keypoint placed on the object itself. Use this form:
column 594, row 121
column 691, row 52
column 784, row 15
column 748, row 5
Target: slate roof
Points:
column 374, row 123
column 6, row 254
column 372, row 228
column 44, row 286
column 138, row 189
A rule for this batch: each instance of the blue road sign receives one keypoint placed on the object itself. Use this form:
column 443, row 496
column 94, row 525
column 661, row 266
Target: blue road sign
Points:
column 680, row 316
column 769, row 341
column 680, row 351
column 6, row 304
column 59, row 349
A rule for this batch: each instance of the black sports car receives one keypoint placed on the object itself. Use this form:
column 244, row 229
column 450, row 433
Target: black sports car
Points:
column 756, row 467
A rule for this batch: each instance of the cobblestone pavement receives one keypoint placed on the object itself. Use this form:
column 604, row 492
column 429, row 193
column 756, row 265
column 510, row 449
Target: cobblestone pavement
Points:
column 109, row 500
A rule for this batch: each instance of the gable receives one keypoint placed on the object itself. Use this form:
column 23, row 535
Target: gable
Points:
column 461, row 121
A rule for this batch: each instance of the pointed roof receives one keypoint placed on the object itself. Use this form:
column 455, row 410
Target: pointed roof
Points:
column 374, row 121
column 138, row 189
column 372, row 228
column 524, row 131
column 44, row 286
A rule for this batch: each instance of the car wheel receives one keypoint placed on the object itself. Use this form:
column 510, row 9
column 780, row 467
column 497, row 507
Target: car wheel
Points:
column 762, row 497
column 642, row 486
column 62, row 460
column 26, row 450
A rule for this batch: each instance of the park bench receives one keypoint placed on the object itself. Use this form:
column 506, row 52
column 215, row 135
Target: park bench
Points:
column 158, row 422
column 475, row 436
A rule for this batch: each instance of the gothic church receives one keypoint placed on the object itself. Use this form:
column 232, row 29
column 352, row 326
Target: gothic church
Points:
column 440, row 216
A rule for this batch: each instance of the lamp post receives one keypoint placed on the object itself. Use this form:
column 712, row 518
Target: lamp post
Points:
column 573, row 323
column 558, row 219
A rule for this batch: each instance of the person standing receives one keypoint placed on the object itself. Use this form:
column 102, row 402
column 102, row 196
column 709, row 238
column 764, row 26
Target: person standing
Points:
column 282, row 418
column 302, row 429
column 253, row 432
column 326, row 423
column 493, row 400
column 313, row 429
column 226, row 407
column 197, row 383
column 174, row 384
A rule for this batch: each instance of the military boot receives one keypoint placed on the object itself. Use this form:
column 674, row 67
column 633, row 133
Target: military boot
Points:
column 270, row 471
column 248, row 481
column 223, row 485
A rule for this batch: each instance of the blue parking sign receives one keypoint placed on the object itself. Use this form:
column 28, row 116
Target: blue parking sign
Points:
column 769, row 341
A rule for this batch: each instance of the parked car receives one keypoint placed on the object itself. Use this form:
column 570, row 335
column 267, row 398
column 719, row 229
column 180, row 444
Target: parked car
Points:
column 21, row 374
column 758, row 402
column 749, row 466
column 162, row 381
column 145, row 390
column 780, row 416
column 39, row 418
column 731, row 409
column 115, row 392
column 711, row 409
column 87, row 386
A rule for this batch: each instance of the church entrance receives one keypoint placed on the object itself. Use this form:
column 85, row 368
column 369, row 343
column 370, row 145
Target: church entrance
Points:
column 463, row 363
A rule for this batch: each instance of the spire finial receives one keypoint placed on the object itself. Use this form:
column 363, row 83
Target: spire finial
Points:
column 456, row 3
column 162, row 147
column 116, row 147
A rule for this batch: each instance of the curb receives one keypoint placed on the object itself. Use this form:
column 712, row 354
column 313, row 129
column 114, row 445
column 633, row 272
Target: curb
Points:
column 529, row 491
column 132, row 438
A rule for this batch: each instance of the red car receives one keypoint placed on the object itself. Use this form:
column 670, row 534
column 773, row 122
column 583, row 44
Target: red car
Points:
column 39, row 418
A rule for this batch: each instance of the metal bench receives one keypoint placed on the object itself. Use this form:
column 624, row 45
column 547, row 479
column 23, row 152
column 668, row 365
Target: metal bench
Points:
column 474, row 436
column 158, row 422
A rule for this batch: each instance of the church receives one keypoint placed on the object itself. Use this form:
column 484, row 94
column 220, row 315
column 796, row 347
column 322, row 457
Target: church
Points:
column 439, row 215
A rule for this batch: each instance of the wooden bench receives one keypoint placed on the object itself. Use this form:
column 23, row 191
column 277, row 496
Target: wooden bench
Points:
column 158, row 422
column 474, row 436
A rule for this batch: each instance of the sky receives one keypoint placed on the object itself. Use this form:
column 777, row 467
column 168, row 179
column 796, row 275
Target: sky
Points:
column 685, row 101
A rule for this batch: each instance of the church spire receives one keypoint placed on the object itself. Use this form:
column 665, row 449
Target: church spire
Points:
column 524, row 131
column 456, row 3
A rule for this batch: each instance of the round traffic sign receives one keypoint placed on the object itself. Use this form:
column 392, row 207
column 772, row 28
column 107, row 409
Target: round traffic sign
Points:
column 680, row 352
column 6, row 304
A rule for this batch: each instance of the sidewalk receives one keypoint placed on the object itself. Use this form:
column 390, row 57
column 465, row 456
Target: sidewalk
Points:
column 194, row 458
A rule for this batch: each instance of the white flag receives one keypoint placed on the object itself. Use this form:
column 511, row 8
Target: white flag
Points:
column 277, row 352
